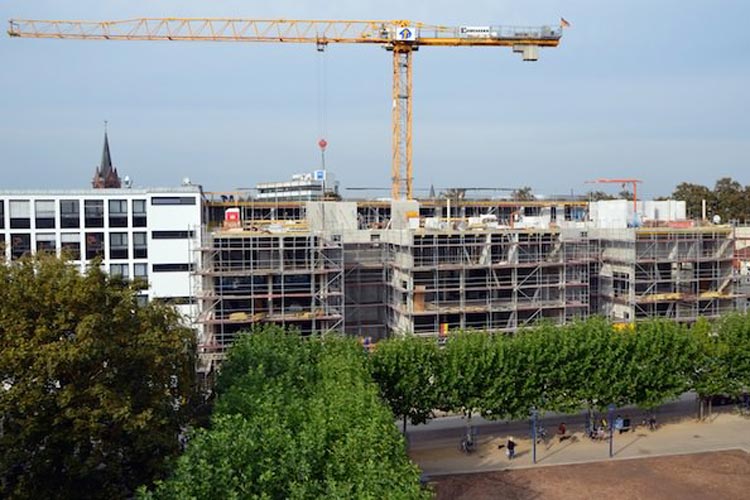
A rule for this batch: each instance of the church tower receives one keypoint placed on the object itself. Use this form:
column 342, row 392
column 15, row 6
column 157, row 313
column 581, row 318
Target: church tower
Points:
column 105, row 176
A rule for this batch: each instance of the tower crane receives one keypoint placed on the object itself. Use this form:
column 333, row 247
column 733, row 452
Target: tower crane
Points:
column 400, row 37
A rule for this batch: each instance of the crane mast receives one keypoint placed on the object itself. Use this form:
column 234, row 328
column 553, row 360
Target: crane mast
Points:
column 400, row 36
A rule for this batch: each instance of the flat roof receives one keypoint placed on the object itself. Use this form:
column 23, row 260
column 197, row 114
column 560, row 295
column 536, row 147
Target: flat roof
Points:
column 100, row 192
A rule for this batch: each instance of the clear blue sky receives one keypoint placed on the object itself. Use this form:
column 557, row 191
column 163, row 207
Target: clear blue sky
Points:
column 651, row 89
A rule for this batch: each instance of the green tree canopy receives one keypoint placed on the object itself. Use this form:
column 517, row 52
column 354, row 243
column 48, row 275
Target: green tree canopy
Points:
column 95, row 388
column 524, row 193
column 728, row 199
column 405, row 371
column 693, row 196
column 598, row 196
column 514, row 377
column 295, row 418
column 660, row 361
column 731, row 200
column 464, row 372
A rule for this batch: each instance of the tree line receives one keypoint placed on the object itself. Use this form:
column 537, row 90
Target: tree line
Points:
column 584, row 365
column 728, row 199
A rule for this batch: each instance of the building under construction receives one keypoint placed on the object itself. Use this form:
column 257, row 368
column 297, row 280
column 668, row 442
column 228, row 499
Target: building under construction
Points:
column 379, row 268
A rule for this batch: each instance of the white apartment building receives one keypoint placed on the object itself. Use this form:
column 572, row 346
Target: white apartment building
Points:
column 138, row 233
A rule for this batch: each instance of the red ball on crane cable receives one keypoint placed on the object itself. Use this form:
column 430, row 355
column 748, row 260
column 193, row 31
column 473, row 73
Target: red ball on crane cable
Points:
column 323, row 144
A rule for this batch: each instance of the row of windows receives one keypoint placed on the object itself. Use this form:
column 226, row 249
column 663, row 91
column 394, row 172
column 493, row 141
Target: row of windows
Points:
column 141, row 270
column 70, row 244
column 171, row 235
column 173, row 200
column 70, row 213
column 20, row 245
column 123, row 270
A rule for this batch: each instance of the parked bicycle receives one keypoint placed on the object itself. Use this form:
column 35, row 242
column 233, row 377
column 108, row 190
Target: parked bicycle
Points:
column 541, row 434
column 467, row 444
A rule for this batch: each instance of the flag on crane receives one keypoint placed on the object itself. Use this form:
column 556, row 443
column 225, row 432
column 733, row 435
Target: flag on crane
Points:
column 564, row 23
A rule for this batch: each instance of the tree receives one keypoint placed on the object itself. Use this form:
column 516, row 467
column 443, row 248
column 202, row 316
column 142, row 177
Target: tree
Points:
column 585, row 367
column 523, row 194
column 661, row 355
column 516, row 374
column 465, row 373
column 405, row 370
column 710, row 372
column 693, row 196
column 598, row 196
column 95, row 387
column 731, row 202
column 734, row 330
column 295, row 418
column 625, row 194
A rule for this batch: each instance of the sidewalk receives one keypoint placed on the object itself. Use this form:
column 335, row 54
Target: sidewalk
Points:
column 441, row 455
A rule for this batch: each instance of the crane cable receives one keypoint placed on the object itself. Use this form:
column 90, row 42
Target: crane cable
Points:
column 322, row 85
column 322, row 94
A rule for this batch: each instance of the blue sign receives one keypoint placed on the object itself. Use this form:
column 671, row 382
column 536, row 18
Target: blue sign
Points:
column 406, row 34
column 319, row 175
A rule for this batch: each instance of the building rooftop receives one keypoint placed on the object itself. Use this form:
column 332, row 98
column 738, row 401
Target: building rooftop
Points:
column 100, row 192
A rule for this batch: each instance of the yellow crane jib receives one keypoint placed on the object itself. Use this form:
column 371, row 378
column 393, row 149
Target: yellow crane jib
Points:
column 402, row 37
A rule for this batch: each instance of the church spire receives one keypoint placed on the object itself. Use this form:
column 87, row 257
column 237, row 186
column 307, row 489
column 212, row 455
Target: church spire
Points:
column 105, row 175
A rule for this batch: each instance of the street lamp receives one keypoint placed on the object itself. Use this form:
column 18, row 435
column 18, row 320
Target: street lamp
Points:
column 611, row 427
column 534, row 416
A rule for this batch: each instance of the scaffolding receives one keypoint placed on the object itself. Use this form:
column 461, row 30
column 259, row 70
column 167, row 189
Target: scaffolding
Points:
column 365, row 298
column 679, row 274
column 494, row 279
column 251, row 277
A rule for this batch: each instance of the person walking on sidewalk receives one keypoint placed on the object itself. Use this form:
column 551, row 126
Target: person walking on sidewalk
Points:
column 511, row 447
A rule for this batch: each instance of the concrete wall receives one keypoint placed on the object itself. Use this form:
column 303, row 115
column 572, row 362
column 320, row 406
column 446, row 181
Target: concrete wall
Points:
column 334, row 216
column 619, row 213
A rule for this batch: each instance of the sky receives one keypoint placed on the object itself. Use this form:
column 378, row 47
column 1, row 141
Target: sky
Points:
column 637, row 88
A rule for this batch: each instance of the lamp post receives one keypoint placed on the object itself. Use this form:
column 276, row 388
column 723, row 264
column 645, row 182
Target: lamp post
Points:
column 611, row 427
column 534, row 415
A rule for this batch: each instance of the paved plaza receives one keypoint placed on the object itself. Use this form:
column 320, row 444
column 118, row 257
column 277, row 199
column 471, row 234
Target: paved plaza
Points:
column 682, row 458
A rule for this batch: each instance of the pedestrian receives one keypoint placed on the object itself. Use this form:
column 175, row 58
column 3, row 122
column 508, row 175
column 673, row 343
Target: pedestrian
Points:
column 511, row 446
column 561, row 431
column 619, row 424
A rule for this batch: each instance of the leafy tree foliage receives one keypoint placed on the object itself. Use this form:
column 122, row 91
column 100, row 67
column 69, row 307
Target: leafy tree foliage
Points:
column 731, row 200
column 523, row 194
column 295, row 418
column 464, row 373
column 722, row 362
column 710, row 371
column 693, row 196
column 625, row 194
column 598, row 196
column 734, row 332
column 405, row 370
column 95, row 388
column 728, row 199
column 582, row 365
column 660, row 364
column 510, row 385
